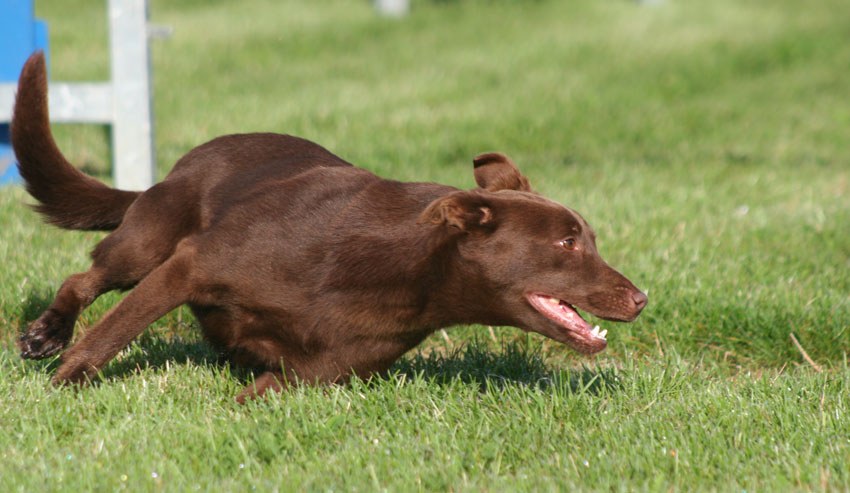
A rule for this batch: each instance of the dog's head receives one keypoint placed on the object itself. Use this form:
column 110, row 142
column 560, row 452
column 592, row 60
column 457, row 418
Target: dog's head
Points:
column 533, row 260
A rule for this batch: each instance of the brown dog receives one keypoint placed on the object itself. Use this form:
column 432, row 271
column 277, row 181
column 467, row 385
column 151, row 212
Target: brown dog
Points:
column 300, row 264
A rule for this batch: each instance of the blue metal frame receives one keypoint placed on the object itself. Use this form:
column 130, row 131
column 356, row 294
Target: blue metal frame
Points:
column 21, row 34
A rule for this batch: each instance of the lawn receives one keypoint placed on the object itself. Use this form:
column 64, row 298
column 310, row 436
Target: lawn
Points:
column 708, row 143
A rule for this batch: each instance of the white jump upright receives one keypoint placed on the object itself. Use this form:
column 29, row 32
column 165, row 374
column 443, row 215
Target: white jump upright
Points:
column 132, row 112
column 125, row 102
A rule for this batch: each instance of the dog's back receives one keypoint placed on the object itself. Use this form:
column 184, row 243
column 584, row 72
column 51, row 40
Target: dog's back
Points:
column 72, row 200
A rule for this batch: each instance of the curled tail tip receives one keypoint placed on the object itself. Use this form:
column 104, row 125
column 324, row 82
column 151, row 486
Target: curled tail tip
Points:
column 31, row 97
column 35, row 63
column 33, row 74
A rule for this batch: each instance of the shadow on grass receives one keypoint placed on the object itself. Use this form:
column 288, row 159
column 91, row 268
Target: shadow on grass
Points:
column 511, row 365
column 155, row 351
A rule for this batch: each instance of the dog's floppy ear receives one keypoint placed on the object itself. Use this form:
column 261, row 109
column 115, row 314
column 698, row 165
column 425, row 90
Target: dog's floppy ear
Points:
column 464, row 211
column 494, row 171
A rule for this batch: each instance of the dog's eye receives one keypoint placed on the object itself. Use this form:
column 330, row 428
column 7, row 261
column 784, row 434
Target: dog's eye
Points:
column 569, row 243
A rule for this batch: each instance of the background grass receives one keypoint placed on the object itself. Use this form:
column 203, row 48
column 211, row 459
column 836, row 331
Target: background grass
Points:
column 706, row 142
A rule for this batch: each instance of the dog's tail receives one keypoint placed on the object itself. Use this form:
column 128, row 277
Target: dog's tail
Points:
column 68, row 198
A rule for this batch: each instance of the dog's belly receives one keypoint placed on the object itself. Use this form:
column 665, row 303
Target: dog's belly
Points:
column 249, row 338
column 275, row 341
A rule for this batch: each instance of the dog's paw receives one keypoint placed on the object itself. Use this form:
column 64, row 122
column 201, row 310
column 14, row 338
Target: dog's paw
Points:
column 45, row 337
column 71, row 382
column 73, row 374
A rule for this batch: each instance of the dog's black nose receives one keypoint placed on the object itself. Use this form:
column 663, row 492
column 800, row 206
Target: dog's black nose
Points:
column 640, row 299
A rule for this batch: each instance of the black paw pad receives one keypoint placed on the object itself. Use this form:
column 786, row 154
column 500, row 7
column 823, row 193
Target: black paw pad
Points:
column 46, row 336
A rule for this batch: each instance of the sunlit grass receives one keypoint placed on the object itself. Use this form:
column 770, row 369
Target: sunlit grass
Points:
column 706, row 142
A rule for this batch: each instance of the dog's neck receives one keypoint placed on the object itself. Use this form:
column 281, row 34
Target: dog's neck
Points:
column 423, row 285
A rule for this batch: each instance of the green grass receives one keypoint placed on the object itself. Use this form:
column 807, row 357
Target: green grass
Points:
column 706, row 142
column 437, row 424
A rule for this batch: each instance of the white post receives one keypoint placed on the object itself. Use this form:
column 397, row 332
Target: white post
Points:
column 125, row 102
column 393, row 8
column 132, row 123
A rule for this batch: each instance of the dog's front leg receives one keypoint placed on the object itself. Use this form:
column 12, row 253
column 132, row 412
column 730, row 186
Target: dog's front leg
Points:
column 164, row 289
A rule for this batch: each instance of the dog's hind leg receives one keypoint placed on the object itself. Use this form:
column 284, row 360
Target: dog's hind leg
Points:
column 164, row 289
column 268, row 381
column 52, row 331
column 115, row 267
column 145, row 239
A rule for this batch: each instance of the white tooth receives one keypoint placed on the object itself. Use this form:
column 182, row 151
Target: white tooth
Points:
column 595, row 330
column 554, row 300
column 603, row 333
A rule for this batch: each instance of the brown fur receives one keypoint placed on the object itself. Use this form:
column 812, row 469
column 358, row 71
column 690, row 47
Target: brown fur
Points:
column 300, row 264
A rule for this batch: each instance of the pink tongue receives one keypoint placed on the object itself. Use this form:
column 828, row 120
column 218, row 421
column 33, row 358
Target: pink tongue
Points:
column 577, row 333
column 560, row 312
column 572, row 318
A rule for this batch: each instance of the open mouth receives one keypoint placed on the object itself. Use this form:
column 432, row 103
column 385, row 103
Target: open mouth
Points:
column 582, row 337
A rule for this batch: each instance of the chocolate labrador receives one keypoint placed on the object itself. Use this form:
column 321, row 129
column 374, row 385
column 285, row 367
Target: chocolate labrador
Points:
column 303, row 266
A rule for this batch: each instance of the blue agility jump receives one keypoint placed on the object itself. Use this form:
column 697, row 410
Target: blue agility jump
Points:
column 124, row 102
column 20, row 35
